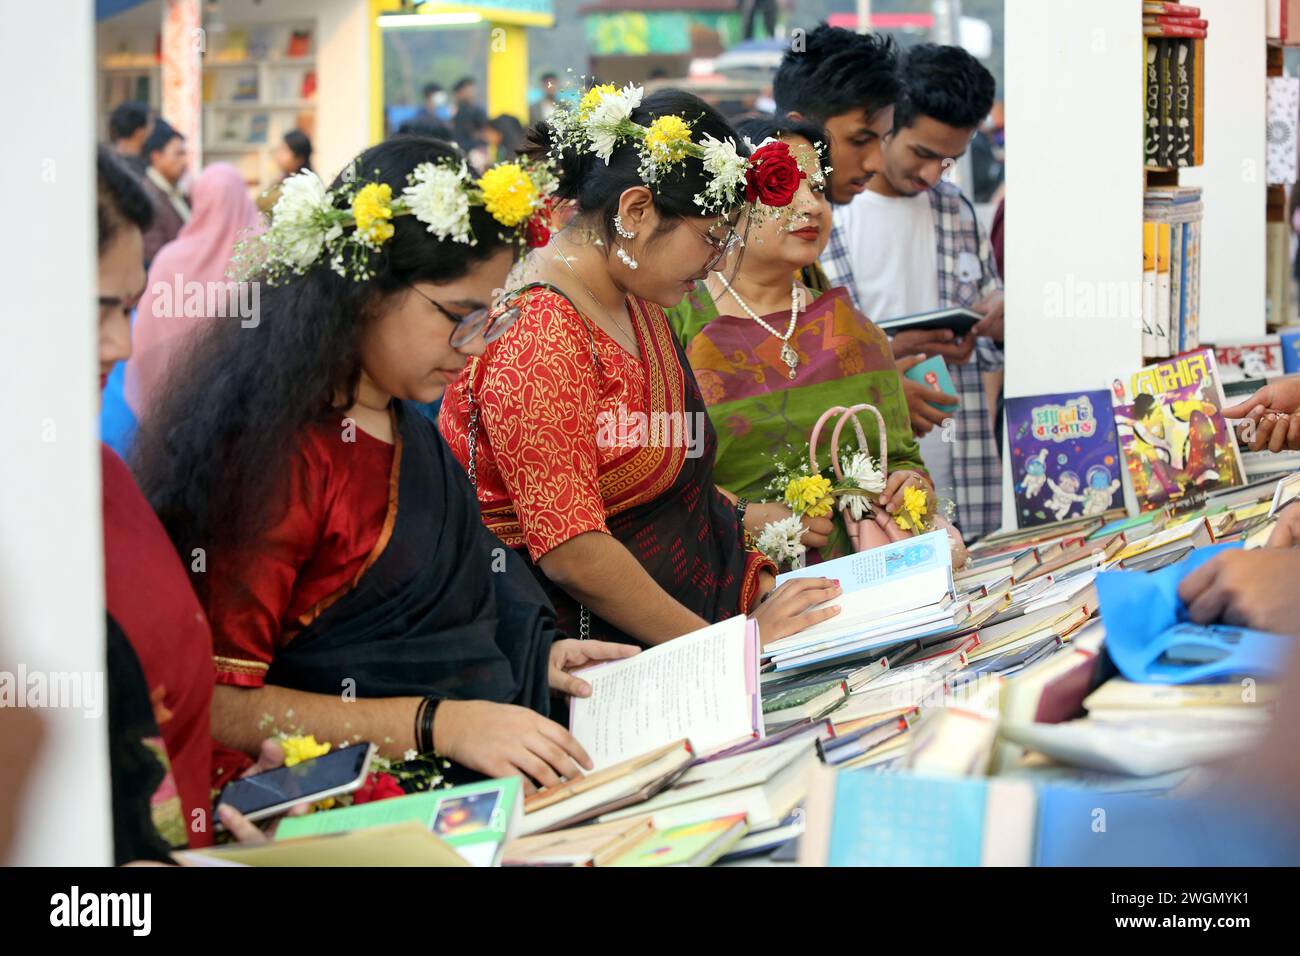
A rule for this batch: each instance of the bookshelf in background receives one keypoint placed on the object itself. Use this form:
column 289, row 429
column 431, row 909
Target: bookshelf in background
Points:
column 259, row 82
column 131, row 71
column 1173, row 48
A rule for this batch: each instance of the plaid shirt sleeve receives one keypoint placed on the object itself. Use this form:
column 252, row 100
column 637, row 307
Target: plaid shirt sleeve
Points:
column 964, row 249
column 838, row 266
column 991, row 355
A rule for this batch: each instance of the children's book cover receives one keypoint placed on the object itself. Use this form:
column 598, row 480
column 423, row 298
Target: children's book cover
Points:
column 1064, row 457
column 1172, row 431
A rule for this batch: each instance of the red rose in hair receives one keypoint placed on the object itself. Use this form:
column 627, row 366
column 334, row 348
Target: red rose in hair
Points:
column 538, row 228
column 378, row 786
column 773, row 176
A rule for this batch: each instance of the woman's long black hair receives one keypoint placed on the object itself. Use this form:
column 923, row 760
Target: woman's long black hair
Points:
column 212, row 458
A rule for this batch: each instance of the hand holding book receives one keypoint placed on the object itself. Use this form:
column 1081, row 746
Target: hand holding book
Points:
column 569, row 655
column 939, row 341
column 792, row 607
column 502, row 740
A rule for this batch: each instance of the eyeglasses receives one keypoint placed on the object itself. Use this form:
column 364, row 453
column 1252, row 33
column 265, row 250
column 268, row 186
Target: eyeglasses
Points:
column 721, row 247
column 480, row 321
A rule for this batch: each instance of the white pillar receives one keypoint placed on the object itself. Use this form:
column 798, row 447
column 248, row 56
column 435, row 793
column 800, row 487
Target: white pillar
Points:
column 1233, row 239
column 51, row 555
column 1074, row 196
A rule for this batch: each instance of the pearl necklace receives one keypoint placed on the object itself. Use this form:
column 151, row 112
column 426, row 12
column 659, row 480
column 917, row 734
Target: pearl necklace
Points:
column 788, row 354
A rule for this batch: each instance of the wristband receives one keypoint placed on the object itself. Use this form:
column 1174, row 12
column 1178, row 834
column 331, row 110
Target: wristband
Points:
column 424, row 715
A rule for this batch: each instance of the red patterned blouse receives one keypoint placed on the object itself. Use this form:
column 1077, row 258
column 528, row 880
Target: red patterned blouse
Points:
column 538, row 398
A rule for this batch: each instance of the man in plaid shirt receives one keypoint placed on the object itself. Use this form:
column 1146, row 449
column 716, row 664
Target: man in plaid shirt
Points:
column 911, row 243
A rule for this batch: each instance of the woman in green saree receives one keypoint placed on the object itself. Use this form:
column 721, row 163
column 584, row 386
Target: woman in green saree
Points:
column 771, row 355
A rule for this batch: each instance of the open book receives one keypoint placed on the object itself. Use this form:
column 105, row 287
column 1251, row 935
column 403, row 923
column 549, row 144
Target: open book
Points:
column 890, row 593
column 702, row 686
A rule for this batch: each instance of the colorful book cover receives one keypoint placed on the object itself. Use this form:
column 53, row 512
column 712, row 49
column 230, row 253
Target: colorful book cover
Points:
column 693, row 844
column 1172, row 432
column 1064, row 456
column 475, row 820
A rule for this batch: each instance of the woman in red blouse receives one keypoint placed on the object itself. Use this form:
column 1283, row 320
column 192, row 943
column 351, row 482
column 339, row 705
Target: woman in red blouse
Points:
column 582, row 424
column 353, row 591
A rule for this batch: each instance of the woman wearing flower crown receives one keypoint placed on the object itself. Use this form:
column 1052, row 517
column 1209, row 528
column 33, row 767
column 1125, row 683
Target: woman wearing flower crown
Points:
column 771, row 356
column 331, row 536
column 582, row 426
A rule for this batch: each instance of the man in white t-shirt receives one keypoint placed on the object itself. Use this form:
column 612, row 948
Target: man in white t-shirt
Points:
column 911, row 243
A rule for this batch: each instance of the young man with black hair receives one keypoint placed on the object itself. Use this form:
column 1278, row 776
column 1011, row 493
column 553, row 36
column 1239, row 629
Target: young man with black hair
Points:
column 911, row 243
column 168, row 160
column 128, row 128
column 847, row 82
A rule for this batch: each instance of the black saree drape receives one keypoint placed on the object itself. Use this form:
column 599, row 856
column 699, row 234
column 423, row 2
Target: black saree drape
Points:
column 445, row 609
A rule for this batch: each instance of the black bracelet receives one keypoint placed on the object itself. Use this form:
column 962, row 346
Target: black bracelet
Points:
column 424, row 715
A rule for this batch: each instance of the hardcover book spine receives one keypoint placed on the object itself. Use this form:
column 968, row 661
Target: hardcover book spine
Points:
column 1151, row 140
column 1184, row 117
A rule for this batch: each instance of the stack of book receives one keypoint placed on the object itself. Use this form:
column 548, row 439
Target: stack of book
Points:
column 1171, row 270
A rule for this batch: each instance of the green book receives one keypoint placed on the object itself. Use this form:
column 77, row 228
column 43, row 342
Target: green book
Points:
column 797, row 696
column 475, row 820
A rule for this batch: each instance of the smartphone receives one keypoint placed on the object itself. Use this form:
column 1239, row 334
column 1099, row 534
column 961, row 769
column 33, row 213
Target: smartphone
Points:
column 933, row 373
column 274, row 792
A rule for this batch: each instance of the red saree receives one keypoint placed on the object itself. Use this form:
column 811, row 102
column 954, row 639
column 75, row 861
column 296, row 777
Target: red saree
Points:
column 577, row 435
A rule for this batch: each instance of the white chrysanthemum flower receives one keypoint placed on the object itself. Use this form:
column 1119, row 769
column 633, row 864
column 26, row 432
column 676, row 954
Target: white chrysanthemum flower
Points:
column 603, row 121
column 862, row 471
column 438, row 199
column 299, row 227
column 780, row 540
column 726, row 167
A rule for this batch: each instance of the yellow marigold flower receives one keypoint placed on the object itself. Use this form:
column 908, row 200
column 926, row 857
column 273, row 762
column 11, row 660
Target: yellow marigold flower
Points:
column 809, row 495
column 916, row 506
column 298, row 749
column 668, row 138
column 508, row 193
column 372, row 207
column 591, row 99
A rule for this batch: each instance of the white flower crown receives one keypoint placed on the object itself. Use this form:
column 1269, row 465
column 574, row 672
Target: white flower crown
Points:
column 349, row 223
column 602, row 119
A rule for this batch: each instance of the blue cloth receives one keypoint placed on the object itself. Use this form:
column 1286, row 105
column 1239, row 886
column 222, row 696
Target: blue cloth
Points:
column 1091, row 828
column 116, row 420
column 1145, row 619
column 429, row 410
